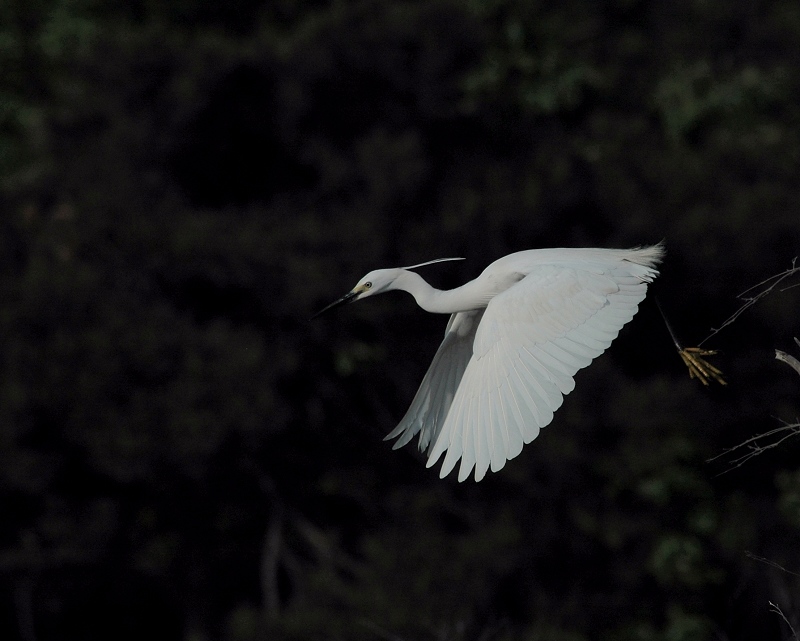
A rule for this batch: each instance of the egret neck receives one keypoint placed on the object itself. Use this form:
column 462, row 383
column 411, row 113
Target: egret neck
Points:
column 449, row 301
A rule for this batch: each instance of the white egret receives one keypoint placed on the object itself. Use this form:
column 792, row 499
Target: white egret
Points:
column 516, row 336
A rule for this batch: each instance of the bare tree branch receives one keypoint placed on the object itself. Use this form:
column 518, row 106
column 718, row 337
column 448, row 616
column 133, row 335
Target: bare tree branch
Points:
column 758, row 444
column 693, row 357
column 769, row 285
column 769, row 562
column 777, row 610
column 790, row 360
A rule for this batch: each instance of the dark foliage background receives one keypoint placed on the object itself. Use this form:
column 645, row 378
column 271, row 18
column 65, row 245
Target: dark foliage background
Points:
column 184, row 456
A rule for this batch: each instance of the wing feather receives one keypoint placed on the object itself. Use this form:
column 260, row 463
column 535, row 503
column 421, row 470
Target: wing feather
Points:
column 532, row 339
column 485, row 413
column 501, row 422
column 470, row 429
column 427, row 412
column 516, row 435
column 556, row 370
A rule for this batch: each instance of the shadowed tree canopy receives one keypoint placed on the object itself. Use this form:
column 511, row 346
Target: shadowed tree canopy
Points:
column 184, row 456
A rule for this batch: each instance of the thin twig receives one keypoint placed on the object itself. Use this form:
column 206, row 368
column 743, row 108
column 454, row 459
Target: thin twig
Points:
column 777, row 610
column 754, row 447
column 771, row 283
column 769, row 562
column 669, row 326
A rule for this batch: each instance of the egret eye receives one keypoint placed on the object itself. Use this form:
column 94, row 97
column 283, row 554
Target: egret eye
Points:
column 367, row 285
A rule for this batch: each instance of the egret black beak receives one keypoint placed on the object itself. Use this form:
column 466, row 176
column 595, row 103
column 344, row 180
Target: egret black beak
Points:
column 349, row 297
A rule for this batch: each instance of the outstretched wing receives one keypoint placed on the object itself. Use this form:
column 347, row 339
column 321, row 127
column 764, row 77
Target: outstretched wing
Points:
column 531, row 341
column 429, row 408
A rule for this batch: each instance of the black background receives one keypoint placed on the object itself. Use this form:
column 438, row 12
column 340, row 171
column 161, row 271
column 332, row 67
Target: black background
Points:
column 184, row 456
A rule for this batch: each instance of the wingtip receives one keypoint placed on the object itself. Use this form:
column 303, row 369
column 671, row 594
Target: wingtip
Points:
column 464, row 472
column 650, row 254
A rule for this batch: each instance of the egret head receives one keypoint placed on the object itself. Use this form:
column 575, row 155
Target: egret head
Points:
column 376, row 282
column 373, row 283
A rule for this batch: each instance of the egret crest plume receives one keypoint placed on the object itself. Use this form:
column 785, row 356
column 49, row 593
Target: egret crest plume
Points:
column 432, row 262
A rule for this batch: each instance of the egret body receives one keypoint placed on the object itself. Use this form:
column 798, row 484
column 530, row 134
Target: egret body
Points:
column 517, row 335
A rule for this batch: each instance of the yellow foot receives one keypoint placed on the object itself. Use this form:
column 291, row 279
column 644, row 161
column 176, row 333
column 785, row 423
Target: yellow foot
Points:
column 700, row 368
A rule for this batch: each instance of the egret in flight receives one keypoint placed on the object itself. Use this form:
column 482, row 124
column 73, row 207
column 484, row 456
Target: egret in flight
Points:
column 516, row 336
